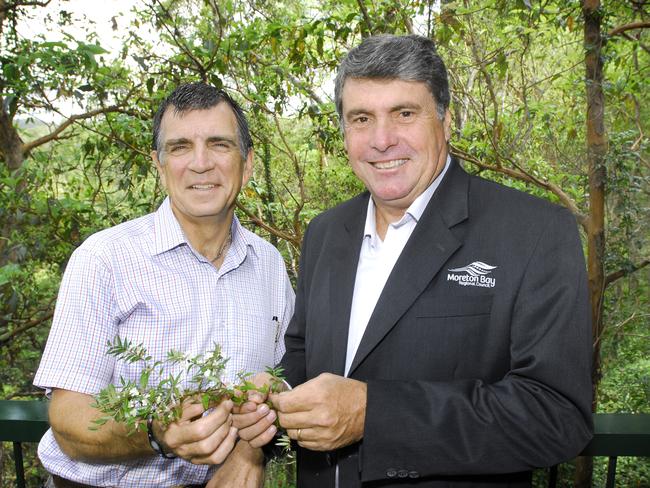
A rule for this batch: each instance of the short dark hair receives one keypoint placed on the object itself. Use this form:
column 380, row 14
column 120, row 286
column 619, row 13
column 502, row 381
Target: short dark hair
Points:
column 201, row 96
column 408, row 58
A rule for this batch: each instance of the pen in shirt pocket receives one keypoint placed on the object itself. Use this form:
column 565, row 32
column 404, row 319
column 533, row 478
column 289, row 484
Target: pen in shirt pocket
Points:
column 277, row 328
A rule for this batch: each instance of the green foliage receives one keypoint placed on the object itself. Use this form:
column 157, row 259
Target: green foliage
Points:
column 163, row 386
column 518, row 103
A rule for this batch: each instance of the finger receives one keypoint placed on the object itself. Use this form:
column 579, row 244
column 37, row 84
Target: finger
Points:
column 204, row 448
column 298, row 420
column 295, row 434
column 250, row 430
column 243, row 420
column 256, row 397
column 191, row 410
column 245, row 408
column 285, row 401
column 220, row 454
column 179, row 434
column 265, row 437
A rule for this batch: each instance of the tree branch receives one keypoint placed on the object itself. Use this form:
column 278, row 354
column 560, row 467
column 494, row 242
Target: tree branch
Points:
column 7, row 8
column 621, row 273
column 29, row 146
column 521, row 175
column 630, row 38
column 294, row 240
column 626, row 27
column 366, row 17
column 4, row 338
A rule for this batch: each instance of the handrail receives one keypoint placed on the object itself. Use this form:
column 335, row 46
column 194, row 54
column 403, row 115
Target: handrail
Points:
column 615, row 434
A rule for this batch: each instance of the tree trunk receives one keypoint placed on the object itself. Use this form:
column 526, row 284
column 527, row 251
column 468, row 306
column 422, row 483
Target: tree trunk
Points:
column 269, row 198
column 11, row 146
column 596, row 151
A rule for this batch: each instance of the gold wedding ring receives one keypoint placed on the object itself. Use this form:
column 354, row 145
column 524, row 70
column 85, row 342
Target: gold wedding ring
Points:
column 298, row 435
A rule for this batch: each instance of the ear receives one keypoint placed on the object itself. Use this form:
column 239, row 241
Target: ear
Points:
column 159, row 168
column 447, row 125
column 248, row 167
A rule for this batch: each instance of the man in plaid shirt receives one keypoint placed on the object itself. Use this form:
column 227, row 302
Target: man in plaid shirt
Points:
column 183, row 278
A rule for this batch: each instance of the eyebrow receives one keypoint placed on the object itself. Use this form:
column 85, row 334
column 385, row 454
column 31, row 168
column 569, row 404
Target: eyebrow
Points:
column 222, row 139
column 395, row 108
column 173, row 142
column 184, row 140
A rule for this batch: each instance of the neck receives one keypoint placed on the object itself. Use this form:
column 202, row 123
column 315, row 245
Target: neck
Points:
column 207, row 235
column 384, row 216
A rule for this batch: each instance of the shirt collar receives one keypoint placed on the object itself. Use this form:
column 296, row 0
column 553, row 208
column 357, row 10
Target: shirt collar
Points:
column 414, row 212
column 169, row 233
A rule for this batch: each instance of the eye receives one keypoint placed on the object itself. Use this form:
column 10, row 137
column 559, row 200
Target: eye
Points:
column 178, row 148
column 221, row 145
column 359, row 121
column 405, row 114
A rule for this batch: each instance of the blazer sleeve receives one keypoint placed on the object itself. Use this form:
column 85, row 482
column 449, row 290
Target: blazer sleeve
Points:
column 538, row 414
column 293, row 362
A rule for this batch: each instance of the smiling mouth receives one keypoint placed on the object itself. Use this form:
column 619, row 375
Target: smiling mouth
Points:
column 202, row 187
column 394, row 163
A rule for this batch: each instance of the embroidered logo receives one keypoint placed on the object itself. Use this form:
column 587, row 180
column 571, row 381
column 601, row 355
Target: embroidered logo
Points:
column 475, row 274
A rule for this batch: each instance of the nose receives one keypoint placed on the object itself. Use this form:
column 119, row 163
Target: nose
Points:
column 384, row 135
column 201, row 159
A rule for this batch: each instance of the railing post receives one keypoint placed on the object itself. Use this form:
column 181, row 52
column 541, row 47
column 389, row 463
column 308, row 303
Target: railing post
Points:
column 552, row 477
column 18, row 462
column 611, row 472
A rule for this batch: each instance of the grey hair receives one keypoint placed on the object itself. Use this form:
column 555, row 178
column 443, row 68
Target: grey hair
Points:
column 200, row 96
column 408, row 58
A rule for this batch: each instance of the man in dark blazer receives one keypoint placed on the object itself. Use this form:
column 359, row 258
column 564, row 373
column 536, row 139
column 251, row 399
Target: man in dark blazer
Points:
column 441, row 334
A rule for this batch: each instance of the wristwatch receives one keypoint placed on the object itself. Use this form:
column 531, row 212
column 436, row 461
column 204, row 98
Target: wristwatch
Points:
column 155, row 443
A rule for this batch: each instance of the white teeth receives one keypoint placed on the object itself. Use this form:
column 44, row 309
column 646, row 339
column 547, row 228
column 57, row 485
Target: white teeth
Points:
column 202, row 187
column 390, row 164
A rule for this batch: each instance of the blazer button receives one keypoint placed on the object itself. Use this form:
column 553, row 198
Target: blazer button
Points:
column 391, row 472
column 402, row 473
column 414, row 474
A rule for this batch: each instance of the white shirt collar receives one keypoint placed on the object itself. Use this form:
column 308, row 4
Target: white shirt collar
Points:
column 414, row 212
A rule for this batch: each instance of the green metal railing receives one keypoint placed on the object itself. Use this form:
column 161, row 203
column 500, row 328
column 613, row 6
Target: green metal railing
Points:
column 615, row 435
column 22, row 421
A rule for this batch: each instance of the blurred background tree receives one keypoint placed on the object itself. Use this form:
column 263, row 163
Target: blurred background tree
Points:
column 548, row 96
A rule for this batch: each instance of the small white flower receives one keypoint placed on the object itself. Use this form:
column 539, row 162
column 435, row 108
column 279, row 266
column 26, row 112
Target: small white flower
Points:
column 134, row 391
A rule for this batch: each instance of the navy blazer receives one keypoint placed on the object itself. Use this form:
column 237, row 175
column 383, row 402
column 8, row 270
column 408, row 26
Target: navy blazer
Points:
column 477, row 356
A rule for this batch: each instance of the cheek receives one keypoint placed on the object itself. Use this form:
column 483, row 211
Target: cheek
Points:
column 354, row 144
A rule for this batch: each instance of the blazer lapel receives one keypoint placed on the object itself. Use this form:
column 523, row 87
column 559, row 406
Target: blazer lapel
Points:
column 429, row 247
column 343, row 271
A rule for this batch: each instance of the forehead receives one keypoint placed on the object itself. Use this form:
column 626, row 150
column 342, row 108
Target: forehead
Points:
column 218, row 120
column 371, row 94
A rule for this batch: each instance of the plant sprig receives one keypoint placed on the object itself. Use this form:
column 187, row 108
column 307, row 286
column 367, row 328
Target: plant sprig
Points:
column 159, row 393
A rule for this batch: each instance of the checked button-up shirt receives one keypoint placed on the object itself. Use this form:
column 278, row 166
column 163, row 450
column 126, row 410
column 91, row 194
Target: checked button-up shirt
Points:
column 143, row 281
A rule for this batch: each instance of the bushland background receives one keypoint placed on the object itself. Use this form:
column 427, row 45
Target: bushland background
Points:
column 549, row 96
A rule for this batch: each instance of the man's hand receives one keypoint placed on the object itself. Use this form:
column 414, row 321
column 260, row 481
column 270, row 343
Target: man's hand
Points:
column 254, row 419
column 244, row 468
column 324, row 413
column 198, row 438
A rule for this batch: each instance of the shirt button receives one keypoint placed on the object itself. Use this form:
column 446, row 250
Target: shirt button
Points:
column 414, row 474
column 402, row 473
column 391, row 472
